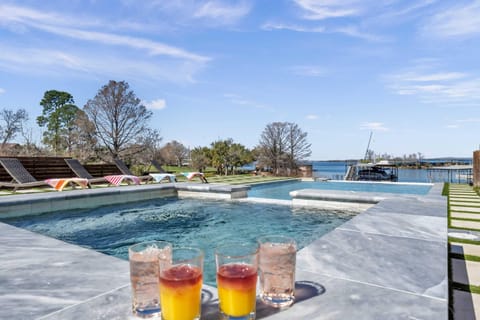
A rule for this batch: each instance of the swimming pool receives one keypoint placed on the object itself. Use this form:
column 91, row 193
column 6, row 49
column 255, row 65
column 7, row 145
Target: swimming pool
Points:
column 205, row 223
column 282, row 190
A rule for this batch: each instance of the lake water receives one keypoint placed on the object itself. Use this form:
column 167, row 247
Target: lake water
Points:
column 336, row 170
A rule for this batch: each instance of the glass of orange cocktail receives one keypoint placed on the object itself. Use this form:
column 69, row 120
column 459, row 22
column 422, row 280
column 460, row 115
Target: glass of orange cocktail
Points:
column 237, row 265
column 181, row 284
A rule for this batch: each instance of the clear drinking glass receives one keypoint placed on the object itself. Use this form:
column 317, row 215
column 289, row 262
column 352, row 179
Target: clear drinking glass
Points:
column 237, row 266
column 144, row 276
column 277, row 257
column 181, row 284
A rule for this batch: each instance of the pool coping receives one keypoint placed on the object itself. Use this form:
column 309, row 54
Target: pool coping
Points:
column 389, row 261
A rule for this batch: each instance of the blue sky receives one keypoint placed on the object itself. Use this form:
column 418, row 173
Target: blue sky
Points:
column 214, row 69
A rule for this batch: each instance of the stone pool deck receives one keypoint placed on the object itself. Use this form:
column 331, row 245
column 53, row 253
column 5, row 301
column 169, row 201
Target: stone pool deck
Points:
column 388, row 262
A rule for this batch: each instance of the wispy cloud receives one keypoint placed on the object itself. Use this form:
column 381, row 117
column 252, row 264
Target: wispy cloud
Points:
column 457, row 21
column 320, row 10
column 351, row 31
column 2, row 91
column 199, row 13
column 311, row 117
column 94, row 52
column 269, row 26
column 93, row 64
column 226, row 13
column 308, row 71
column 462, row 122
column 432, row 86
column 157, row 104
column 237, row 99
column 57, row 24
column 373, row 126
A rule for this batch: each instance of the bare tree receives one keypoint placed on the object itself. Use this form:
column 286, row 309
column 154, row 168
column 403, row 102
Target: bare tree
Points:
column 12, row 123
column 297, row 146
column 273, row 145
column 282, row 146
column 174, row 153
column 119, row 117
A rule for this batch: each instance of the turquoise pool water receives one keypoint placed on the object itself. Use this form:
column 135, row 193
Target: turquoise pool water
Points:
column 282, row 190
column 205, row 224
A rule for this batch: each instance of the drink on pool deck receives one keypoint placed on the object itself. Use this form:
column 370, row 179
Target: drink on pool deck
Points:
column 180, row 292
column 181, row 284
column 237, row 265
column 237, row 290
column 277, row 257
column 144, row 276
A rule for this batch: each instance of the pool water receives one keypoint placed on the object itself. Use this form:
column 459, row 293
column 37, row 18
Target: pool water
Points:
column 282, row 190
column 185, row 222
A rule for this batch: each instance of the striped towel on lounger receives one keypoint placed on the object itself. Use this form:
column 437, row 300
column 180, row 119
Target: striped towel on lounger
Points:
column 61, row 183
column 118, row 179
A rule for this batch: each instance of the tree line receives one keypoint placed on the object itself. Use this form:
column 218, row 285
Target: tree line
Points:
column 115, row 124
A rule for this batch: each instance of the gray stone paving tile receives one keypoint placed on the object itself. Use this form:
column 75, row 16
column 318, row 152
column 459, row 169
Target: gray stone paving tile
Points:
column 413, row 206
column 396, row 224
column 46, row 275
column 343, row 299
column 412, row 265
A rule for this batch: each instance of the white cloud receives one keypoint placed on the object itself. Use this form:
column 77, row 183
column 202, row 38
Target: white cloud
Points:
column 458, row 21
column 452, row 126
column 319, row 10
column 312, row 117
column 373, row 126
column 309, row 71
column 58, row 24
column 239, row 100
column 269, row 26
column 196, row 12
column 94, row 64
column 350, row 31
column 157, row 104
column 432, row 86
column 2, row 91
column 220, row 11
column 100, row 54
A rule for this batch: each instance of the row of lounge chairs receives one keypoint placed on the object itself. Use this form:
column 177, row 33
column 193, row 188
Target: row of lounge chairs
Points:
column 22, row 179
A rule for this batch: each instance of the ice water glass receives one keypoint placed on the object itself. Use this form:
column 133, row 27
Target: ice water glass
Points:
column 277, row 257
column 144, row 276
column 181, row 284
column 237, row 266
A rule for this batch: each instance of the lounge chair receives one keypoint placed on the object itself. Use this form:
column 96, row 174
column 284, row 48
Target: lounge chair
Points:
column 162, row 175
column 81, row 172
column 22, row 179
column 129, row 174
column 189, row 175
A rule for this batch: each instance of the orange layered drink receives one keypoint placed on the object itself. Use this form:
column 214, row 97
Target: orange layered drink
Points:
column 237, row 266
column 180, row 289
column 237, row 285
